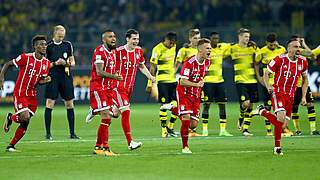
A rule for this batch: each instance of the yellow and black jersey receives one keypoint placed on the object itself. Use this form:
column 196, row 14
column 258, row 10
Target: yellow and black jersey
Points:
column 186, row 52
column 243, row 59
column 214, row 74
column 265, row 55
column 164, row 59
column 316, row 52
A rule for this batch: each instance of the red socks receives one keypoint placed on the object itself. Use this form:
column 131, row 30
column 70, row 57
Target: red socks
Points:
column 277, row 126
column 103, row 133
column 18, row 135
column 125, row 122
column 184, row 130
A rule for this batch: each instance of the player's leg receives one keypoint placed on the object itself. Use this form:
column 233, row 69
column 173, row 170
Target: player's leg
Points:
column 165, row 105
column 267, row 105
column 295, row 109
column 243, row 107
column 205, row 118
column 174, row 110
column 221, row 99
column 51, row 94
column 184, row 131
column 311, row 113
column 66, row 91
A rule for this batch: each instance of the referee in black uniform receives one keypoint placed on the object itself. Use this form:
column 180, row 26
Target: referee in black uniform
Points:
column 62, row 82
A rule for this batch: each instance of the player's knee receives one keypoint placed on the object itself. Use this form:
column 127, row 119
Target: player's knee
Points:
column 281, row 116
column 50, row 103
column 24, row 117
column 104, row 114
column 193, row 123
column 69, row 104
column 246, row 104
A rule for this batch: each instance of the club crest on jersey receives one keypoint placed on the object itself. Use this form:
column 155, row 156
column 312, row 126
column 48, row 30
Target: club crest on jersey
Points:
column 299, row 68
column 285, row 66
column 137, row 56
column 182, row 107
column 44, row 67
column 125, row 102
column 31, row 64
column 280, row 103
column 65, row 55
column 19, row 106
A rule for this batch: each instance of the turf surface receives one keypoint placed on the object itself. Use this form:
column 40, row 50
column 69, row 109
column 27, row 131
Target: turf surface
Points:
column 213, row 157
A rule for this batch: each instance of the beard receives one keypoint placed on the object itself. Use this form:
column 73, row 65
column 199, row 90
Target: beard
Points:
column 111, row 47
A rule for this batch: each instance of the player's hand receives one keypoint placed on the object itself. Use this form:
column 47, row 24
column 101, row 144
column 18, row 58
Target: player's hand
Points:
column 261, row 80
column 270, row 89
column 304, row 101
column 200, row 83
column 153, row 79
column 117, row 77
column 45, row 79
column 61, row 61
column 149, row 87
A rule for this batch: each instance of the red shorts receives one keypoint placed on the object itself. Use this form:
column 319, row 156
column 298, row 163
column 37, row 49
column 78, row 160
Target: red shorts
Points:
column 100, row 100
column 23, row 103
column 189, row 105
column 121, row 98
column 282, row 102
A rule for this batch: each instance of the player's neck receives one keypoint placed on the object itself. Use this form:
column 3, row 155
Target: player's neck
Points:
column 242, row 44
column 38, row 55
column 292, row 57
column 193, row 45
column 56, row 41
column 200, row 59
column 129, row 48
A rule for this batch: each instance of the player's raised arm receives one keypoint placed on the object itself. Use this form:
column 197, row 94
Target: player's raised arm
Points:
column 4, row 70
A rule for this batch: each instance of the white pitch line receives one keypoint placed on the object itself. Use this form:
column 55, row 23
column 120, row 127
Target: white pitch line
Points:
column 155, row 139
column 201, row 153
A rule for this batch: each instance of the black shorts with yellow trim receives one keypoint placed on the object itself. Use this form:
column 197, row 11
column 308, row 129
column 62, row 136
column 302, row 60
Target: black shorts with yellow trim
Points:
column 166, row 92
column 248, row 92
column 213, row 92
column 298, row 96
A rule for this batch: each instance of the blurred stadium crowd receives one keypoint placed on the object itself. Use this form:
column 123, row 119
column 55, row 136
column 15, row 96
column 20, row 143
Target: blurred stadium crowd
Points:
column 86, row 19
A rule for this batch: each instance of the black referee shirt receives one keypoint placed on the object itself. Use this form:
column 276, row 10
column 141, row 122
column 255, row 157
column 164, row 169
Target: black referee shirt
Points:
column 59, row 50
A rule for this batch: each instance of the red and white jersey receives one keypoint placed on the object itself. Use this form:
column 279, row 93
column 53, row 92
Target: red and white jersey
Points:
column 31, row 70
column 287, row 72
column 127, row 65
column 107, row 58
column 193, row 71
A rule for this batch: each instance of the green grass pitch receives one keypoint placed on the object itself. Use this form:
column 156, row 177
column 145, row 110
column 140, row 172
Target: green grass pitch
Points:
column 159, row 158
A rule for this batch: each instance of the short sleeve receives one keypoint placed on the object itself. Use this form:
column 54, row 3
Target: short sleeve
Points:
column 21, row 60
column 185, row 70
column 305, row 67
column 154, row 56
column 97, row 57
column 259, row 56
column 316, row 51
column 70, row 48
column 273, row 64
column 181, row 55
column 141, row 56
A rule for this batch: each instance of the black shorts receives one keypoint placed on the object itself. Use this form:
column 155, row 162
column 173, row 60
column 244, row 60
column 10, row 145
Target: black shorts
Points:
column 166, row 92
column 248, row 92
column 298, row 96
column 266, row 97
column 60, row 84
column 213, row 92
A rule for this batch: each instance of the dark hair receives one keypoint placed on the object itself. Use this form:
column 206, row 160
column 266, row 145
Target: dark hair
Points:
column 130, row 32
column 214, row 33
column 193, row 32
column 294, row 36
column 38, row 38
column 271, row 37
column 171, row 36
column 243, row 30
column 203, row 41
column 291, row 40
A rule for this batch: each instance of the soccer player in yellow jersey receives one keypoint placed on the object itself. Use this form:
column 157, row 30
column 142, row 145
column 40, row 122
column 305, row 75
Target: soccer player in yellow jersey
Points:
column 242, row 55
column 213, row 89
column 263, row 57
column 189, row 49
column 162, row 67
column 316, row 52
column 306, row 51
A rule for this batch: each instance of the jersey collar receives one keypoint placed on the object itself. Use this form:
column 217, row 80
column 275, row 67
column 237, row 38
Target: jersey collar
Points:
column 56, row 43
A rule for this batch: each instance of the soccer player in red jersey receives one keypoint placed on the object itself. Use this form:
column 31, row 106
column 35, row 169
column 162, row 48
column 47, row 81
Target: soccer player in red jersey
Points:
column 129, row 58
column 189, row 89
column 103, row 75
column 33, row 70
column 287, row 69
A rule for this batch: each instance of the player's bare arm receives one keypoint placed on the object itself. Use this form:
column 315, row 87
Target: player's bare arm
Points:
column 44, row 80
column 4, row 70
column 102, row 73
column 266, row 76
column 186, row 82
column 257, row 69
column 153, row 68
column 304, row 88
column 146, row 72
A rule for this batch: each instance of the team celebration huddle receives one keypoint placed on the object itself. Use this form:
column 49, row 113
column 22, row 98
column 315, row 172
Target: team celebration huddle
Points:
column 185, row 82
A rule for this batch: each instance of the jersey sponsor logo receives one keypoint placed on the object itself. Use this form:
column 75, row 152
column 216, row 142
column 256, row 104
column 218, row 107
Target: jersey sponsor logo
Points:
column 65, row 55
column 137, row 56
column 182, row 107
column 104, row 103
